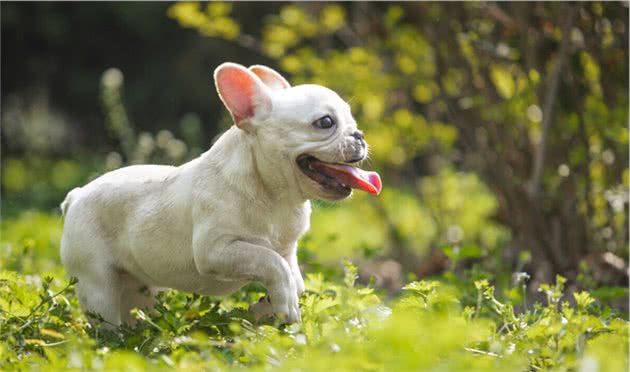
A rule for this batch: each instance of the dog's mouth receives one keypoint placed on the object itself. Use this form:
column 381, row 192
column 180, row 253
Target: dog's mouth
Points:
column 339, row 178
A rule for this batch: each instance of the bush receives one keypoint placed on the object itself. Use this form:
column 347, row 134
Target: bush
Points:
column 439, row 324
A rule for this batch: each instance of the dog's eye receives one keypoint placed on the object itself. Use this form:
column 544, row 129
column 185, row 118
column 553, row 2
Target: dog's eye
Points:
column 324, row 122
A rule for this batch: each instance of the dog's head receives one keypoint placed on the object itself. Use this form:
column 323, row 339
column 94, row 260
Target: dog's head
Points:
column 308, row 129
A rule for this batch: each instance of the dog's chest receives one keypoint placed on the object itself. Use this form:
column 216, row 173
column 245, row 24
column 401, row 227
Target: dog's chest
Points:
column 285, row 226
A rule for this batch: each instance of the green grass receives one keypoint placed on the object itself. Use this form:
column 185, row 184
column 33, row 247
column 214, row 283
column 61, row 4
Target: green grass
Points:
column 450, row 324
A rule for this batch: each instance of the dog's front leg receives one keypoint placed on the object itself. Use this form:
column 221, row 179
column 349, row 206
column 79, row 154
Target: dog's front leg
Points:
column 239, row 260
column 295, row 270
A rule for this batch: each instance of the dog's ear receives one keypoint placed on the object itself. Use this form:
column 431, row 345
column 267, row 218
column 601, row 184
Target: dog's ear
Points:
column 270, row 77
column 242, row 92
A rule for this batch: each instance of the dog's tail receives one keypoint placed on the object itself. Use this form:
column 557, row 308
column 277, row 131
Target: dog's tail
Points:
column 68, row 200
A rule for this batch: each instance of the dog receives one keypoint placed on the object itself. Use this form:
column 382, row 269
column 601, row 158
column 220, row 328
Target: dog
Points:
column 227, row 218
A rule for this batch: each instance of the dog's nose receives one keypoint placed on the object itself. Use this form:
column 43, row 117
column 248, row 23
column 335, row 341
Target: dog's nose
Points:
column 358, row 135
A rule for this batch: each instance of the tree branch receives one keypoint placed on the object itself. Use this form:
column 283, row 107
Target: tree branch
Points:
column 550, row 101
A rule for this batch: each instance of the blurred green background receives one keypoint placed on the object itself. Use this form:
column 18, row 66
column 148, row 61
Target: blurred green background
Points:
column 500, row 129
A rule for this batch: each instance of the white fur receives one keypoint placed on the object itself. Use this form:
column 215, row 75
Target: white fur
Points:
column 209, row 226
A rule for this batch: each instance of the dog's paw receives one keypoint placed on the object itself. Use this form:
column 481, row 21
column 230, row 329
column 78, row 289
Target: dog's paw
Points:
column 262, row 308
column 299, row 283
column 284, row 301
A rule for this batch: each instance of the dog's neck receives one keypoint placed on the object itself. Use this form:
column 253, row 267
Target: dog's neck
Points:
column 245, row 165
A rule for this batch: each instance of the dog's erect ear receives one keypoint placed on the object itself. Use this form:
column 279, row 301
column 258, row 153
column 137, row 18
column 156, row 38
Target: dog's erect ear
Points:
column 270, row 77
column 242, row 92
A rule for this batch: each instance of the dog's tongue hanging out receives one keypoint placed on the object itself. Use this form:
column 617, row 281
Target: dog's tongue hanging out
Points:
column 351, row 176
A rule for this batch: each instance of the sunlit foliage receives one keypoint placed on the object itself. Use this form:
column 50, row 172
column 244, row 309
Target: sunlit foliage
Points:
column 458, row 101
column 516, row 94
column 432, row 326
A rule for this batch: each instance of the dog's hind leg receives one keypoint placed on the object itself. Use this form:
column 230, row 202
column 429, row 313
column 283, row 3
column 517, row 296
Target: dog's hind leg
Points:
column 100, row 292
column 135, row 295
column 99, row 289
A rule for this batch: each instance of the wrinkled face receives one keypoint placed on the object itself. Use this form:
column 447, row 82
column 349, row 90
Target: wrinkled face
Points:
column 307, row 130
column 311, row 123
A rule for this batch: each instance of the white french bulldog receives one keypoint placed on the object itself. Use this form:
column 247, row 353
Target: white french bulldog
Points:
column 227, row 218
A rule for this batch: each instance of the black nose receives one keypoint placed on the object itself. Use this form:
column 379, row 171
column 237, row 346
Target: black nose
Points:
column 358, row 135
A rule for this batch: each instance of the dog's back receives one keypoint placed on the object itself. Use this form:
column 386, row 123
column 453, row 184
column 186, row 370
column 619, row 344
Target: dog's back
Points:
column 128, row 175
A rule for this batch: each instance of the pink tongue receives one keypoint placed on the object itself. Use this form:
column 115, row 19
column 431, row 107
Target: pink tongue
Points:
column 351, row 176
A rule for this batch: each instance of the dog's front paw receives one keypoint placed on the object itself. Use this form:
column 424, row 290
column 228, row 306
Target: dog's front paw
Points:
column 284, row 301
column 299, row 282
